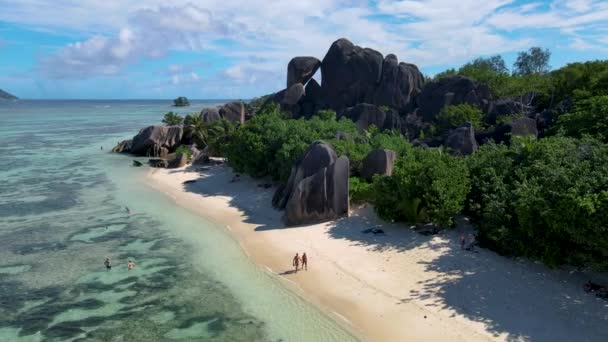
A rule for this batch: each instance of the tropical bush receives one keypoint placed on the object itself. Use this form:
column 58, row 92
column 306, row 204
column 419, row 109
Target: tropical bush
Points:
column 543, row 199
column 171, row 119
column 360, row 190
column 454, row 116
column 426, row 186
column 590, row 117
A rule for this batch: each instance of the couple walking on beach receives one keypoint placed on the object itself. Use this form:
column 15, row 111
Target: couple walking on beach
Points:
column 303, row 260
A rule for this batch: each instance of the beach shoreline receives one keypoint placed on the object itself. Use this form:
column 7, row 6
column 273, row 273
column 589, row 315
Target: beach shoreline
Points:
column 380, row 288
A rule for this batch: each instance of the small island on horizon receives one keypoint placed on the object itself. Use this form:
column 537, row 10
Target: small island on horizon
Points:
column 7, row 96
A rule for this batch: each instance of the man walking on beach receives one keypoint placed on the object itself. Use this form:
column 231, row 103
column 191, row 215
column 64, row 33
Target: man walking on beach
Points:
column 296, row 262
column 304, row 261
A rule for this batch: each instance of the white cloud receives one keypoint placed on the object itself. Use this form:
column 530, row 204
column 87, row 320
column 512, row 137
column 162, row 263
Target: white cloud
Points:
column 264, row 34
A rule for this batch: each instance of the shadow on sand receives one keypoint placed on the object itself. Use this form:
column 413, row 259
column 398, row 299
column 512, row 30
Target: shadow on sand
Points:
column 516, row 300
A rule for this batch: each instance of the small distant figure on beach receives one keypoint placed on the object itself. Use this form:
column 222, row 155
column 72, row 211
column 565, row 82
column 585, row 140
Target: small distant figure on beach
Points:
column 296, row 262
column 130, row 265
column 235, row 179
column 470, row 244
column 128, row 210
column 108, row 264
column 304, row 261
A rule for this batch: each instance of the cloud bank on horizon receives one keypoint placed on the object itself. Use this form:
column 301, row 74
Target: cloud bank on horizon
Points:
column 236, row 48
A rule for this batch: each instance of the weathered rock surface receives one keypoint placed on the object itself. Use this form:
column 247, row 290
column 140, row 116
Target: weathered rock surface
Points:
column 301, row 69
column 210, row 115
column 233, row 111
column 520, row 127
column 378, row 162
column 462, row 140
column 317, row 189
column 399, row 85
column 365, row 115
column 123, row 146
column 180, row 160
column 350, row 74
column 312, row 102
column 505, row 107
column 157, row 141
column 158, row 162
column 202, row 157
column 452, row 90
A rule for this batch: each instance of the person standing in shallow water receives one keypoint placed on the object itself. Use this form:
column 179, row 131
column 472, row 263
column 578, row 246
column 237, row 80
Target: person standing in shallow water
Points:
column 108, row 264
column 304, row 261
column 130, row 265
column 296, row 262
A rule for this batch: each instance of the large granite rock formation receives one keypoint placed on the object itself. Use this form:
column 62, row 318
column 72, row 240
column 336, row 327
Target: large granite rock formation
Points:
column 448, row 91
column 505, row 107
column 233, row 111
column 312, row 102
column 289, row 99
column 180, row 160
column 365, row 115
column 378, row 162
column 503, row 132
column 210, row 115
column 123, row 146
column 399, row 85
column 350, row 74
column 157, row 141
column 317, row 189
column 462, row 140
column 301, row 69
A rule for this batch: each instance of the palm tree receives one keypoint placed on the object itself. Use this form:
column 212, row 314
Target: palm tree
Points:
column 219, row 134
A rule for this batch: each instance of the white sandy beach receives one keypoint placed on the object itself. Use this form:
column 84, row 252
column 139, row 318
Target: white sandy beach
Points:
column 400, row 287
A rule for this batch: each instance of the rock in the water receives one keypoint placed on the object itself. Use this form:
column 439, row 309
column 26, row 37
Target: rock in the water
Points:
column 157, row 141
column 320, row 197
column 400, row 84
column 462, row 140
column 180, row 160
column 350, row 74
column 233, row 111
column 123, row 146
column 378, row 162
column 365, row 115
column 158, row 162
column 451, row 90
column 137, row 163
column 210, row 115
column 301, row 69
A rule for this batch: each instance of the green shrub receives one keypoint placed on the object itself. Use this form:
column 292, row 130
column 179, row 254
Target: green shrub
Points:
column 545, row 200
column 184, row 150
column 454, row 116
column 360, row 191
column 426, row 186
column 590, row 117
column 171, row 119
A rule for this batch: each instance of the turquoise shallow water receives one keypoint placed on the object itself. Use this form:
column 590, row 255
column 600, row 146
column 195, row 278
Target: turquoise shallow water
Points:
column 62, row 212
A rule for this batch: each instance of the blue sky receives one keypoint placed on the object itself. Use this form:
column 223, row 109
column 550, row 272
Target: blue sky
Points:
column 240, row 48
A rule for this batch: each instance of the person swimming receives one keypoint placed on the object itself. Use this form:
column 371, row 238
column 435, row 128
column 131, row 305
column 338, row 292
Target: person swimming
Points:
column 130, row 265
column 128, row 210
column 108, row 264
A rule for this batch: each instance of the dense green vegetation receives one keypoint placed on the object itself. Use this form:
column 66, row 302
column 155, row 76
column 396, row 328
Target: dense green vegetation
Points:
column 171, row 119
column 454, row 116
column 544, row 199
